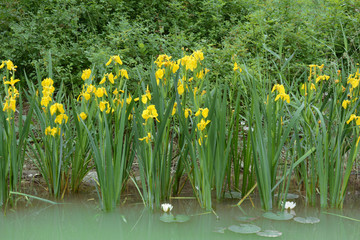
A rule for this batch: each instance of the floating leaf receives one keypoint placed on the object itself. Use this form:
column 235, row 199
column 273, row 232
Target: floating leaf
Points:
column 245, row 219
column 168, row 218
column 182, row 218
column 269, row 233
column 219, row 229
column 307, row 220
column 280, row 216
column 244, row 228
column 232, row 194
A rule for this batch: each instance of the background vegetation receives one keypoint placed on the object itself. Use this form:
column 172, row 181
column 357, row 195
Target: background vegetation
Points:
column 82, row 33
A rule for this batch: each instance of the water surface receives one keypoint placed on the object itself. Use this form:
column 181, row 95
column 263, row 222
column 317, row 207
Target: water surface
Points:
column 85, row 221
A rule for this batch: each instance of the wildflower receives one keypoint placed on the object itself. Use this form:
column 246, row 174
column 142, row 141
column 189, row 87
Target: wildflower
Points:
column 129, row 99
column 10, row 104
column 86, row 74
column 189, row 62
column 198, row 55
column 353, row 81
column 345, row 103
column 111, row 78
column 312, row 87
column 52, row 131
column 187, row 112
column 322, row 78
column 180, row 88
column 12, row 81
column 57, row 107
column 174, row 67
column 281, row 93
column 284, row 97
column 86, row 95
column 103, row 80
column 174, row 109
column 195, row 90
column 166, row 207
column 116, row 59
column 236, row 67
column 290, row 205
column 147, row 138
column 159, row 74
column 150, row 112
column 202, row 125
column 162, row 59
column 354, row 117
column 59, row 118
column 203, row 111
column 10, row 65
column 279, row 88
column 200, row 74
column 100, row 92
column 103, row 105
column 124, row 73
column 47, row 82
column 146, row 96
column 83, row 115
column 48, row 90
column 2, row 64
column 45, row 101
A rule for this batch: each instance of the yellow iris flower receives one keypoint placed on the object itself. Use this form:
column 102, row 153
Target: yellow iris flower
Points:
column 150, row 112
column 86, row 74
column 52, row 131
column 202, row 124
column 59, row 118
column 147, row 138
column 57, row 107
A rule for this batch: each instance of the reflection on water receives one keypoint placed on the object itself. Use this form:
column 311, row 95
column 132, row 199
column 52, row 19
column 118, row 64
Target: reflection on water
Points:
column 80, row 221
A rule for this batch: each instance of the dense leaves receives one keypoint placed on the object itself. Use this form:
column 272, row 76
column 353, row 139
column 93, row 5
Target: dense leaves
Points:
column 81, row 33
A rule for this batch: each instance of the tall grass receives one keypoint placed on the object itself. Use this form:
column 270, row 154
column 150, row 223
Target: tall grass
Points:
column 326, row 125
column 112, row 155
column 14, row 129
column 270, row 128
column 179, row 128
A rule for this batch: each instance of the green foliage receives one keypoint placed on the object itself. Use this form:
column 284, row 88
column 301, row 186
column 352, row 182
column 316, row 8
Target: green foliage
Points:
column 83, row 33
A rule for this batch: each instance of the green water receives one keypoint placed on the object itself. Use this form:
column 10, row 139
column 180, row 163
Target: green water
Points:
column 85, row 221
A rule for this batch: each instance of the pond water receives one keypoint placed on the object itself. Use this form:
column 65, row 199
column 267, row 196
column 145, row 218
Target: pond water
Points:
column 83, row 220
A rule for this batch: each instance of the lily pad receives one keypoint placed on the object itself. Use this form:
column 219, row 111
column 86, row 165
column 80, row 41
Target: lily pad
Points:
column 307, row 220
column 232, row 194
column 169, row 218
column 182, row 218
column 245, row 219
column 279, row 216
column 244, row 228
column 219, row 229
column 269, row 233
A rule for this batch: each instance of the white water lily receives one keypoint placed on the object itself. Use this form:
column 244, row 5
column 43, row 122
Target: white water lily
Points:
column 166, row 207
column 290, row 205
